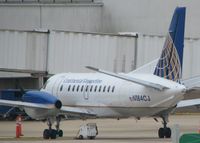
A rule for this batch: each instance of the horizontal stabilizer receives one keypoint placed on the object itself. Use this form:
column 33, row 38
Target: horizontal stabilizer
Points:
column 192, row 83
column 187, row 103
column 131, row 79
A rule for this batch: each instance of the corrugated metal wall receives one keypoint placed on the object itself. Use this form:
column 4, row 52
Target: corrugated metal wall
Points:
column 71, row 52
column 149, row 16
column 191, row 66
column 61, row 51
column 149, row 48
column 75, row 17
column 23, row 50
column 46, row 1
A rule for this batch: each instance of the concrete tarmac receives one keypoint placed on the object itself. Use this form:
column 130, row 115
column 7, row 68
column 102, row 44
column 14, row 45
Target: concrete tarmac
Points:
column 110, row 130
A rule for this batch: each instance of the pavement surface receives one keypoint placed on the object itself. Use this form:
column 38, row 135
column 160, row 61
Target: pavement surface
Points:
column 110, row 130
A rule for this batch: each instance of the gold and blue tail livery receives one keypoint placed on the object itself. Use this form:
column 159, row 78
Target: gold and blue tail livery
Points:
column 170, row 63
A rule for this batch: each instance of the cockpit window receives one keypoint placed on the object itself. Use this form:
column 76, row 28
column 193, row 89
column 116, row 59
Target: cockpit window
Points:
column 45, row 85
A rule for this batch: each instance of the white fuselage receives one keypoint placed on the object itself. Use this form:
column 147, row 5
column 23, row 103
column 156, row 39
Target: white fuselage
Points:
column 108, row 96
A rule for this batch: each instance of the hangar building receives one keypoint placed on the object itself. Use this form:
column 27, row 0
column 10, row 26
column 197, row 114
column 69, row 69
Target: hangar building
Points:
column 39, row 38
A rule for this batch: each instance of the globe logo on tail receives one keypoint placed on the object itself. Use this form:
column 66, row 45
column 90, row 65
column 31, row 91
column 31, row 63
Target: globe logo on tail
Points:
column 169, row 66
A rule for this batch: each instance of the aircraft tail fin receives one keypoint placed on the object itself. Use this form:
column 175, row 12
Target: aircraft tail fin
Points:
column 170, row 63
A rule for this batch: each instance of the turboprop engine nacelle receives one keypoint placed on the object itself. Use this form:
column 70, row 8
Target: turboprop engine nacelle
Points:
column 45, row 99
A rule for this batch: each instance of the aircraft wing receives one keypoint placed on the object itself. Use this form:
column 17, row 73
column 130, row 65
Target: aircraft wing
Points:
column 76, row 111
column 21, row 104
column 131, row 79
column 187, row 103
column 64, row 109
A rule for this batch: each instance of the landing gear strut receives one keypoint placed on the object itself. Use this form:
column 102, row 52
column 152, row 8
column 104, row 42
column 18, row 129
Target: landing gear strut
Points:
column 52, row 133
column 164, row 132
column 59, row 132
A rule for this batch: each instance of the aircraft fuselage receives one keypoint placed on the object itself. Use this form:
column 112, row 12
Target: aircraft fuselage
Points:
column 108, row 96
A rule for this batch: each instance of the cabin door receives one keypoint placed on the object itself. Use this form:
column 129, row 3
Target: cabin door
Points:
column 86, row 92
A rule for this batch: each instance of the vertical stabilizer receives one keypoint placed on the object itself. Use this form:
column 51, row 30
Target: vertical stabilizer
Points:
column 170, row 62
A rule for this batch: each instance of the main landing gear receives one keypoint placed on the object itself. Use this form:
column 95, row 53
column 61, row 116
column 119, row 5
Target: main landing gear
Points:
column 52, row 133
column 164, row 132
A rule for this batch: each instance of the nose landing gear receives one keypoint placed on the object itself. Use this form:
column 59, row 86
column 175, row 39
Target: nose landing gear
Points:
column 52, row 133
column 59, row 132
column 49, row 133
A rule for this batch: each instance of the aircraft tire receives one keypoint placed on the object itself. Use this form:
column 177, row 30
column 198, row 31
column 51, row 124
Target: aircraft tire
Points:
column 161, row 133
column 80, row 137
column 53, row 134
column 91, row 138
column 168, row 133
column 46, row 134
column 60, row 133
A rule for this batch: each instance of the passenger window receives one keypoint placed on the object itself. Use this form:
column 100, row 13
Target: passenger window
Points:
column 95, row 89
column 77, row 88
column 99, row 88
column 73, row 88
column 82, row 88
column 69, row 87
column 104, row 88
column 86, row 89
column 61, row 87
column 91, row 88
column 108, row 88
column 113, row 88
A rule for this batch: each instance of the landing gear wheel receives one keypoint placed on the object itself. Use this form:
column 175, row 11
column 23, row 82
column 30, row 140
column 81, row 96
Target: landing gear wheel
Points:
column 168, row 133
column 46, row 134
column 80, row 137
column 164, row 132
column 49, row 133
column 91, row 138
column 161, row 133
column 60, row 133
column 53, row 134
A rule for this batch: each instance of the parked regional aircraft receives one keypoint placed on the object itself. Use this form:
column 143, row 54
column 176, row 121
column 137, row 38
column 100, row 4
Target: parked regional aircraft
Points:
column 109, row 95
